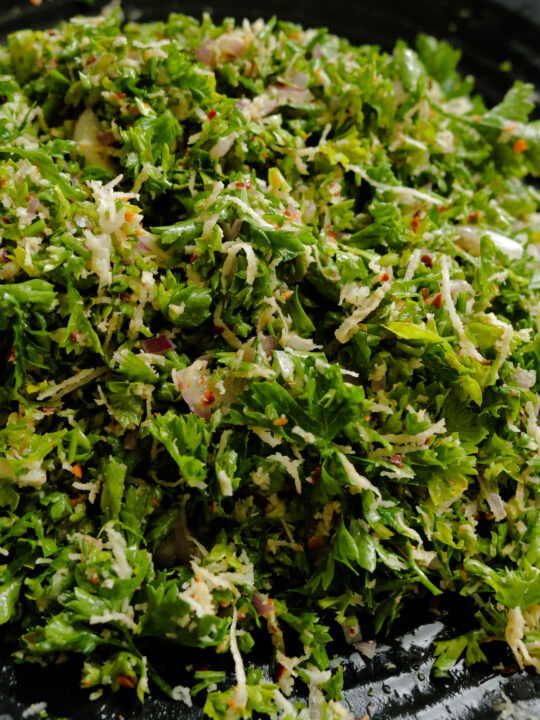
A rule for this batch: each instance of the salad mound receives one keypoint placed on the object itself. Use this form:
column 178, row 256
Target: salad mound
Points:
column 270, row 322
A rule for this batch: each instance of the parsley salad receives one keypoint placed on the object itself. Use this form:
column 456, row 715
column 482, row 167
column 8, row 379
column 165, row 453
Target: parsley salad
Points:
column 270, row 339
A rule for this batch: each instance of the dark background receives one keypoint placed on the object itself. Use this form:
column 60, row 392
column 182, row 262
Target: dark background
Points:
column 396, row 683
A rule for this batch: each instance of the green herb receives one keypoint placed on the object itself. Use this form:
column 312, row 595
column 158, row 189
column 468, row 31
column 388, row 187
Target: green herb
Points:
column 270, row 333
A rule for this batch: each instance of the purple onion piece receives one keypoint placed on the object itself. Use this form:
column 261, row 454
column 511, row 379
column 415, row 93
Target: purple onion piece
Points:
column 158, row 345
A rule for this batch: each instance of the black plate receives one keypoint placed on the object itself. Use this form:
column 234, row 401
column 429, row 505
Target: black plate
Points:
column 396, row 683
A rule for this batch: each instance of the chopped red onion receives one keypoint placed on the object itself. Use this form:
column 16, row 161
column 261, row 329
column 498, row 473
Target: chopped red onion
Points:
column 268, row 343
column 204, row 52
column 106, row 137
column 262, row 604
column 158, row 345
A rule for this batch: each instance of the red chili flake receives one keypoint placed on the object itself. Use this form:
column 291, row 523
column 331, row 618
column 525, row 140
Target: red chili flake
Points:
column 208, row 398
column 425, row 293
column 280, row 669
column 473, row 217
column 75, row 336
column 520, row 145
column 218, row 329
column 3, row 181
column 397, row 460
column 193, row 258
column 127, row 681
column 155, row 502
column 367, row 418
column 5, row 219
column 212, row 114
column 77, row 471
column 12, row 355
column 240, row 184
column 316, row 477
column 426, row 259
column 437, row 301
column 415, row 224
column 120, row 95
column 213, row 508
column 280, row 421
column 427, row 441
column 4, row 257
column 385, row 277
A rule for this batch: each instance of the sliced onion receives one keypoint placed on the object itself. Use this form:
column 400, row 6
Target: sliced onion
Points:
column 226, row 47
column 158, row 345
column 525, row 378
column 470, row 239
column 222, row 146
column 496, row 505
column 193, row 384
column 367, row 648
column 204, row 52
column 298, row 79
column 294, row 95
column 232, row 44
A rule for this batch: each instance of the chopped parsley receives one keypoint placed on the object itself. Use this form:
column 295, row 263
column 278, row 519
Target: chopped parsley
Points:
column 270, row 339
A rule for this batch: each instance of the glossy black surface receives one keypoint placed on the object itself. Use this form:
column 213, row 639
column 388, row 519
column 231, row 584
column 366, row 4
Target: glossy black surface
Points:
column 396, row 683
